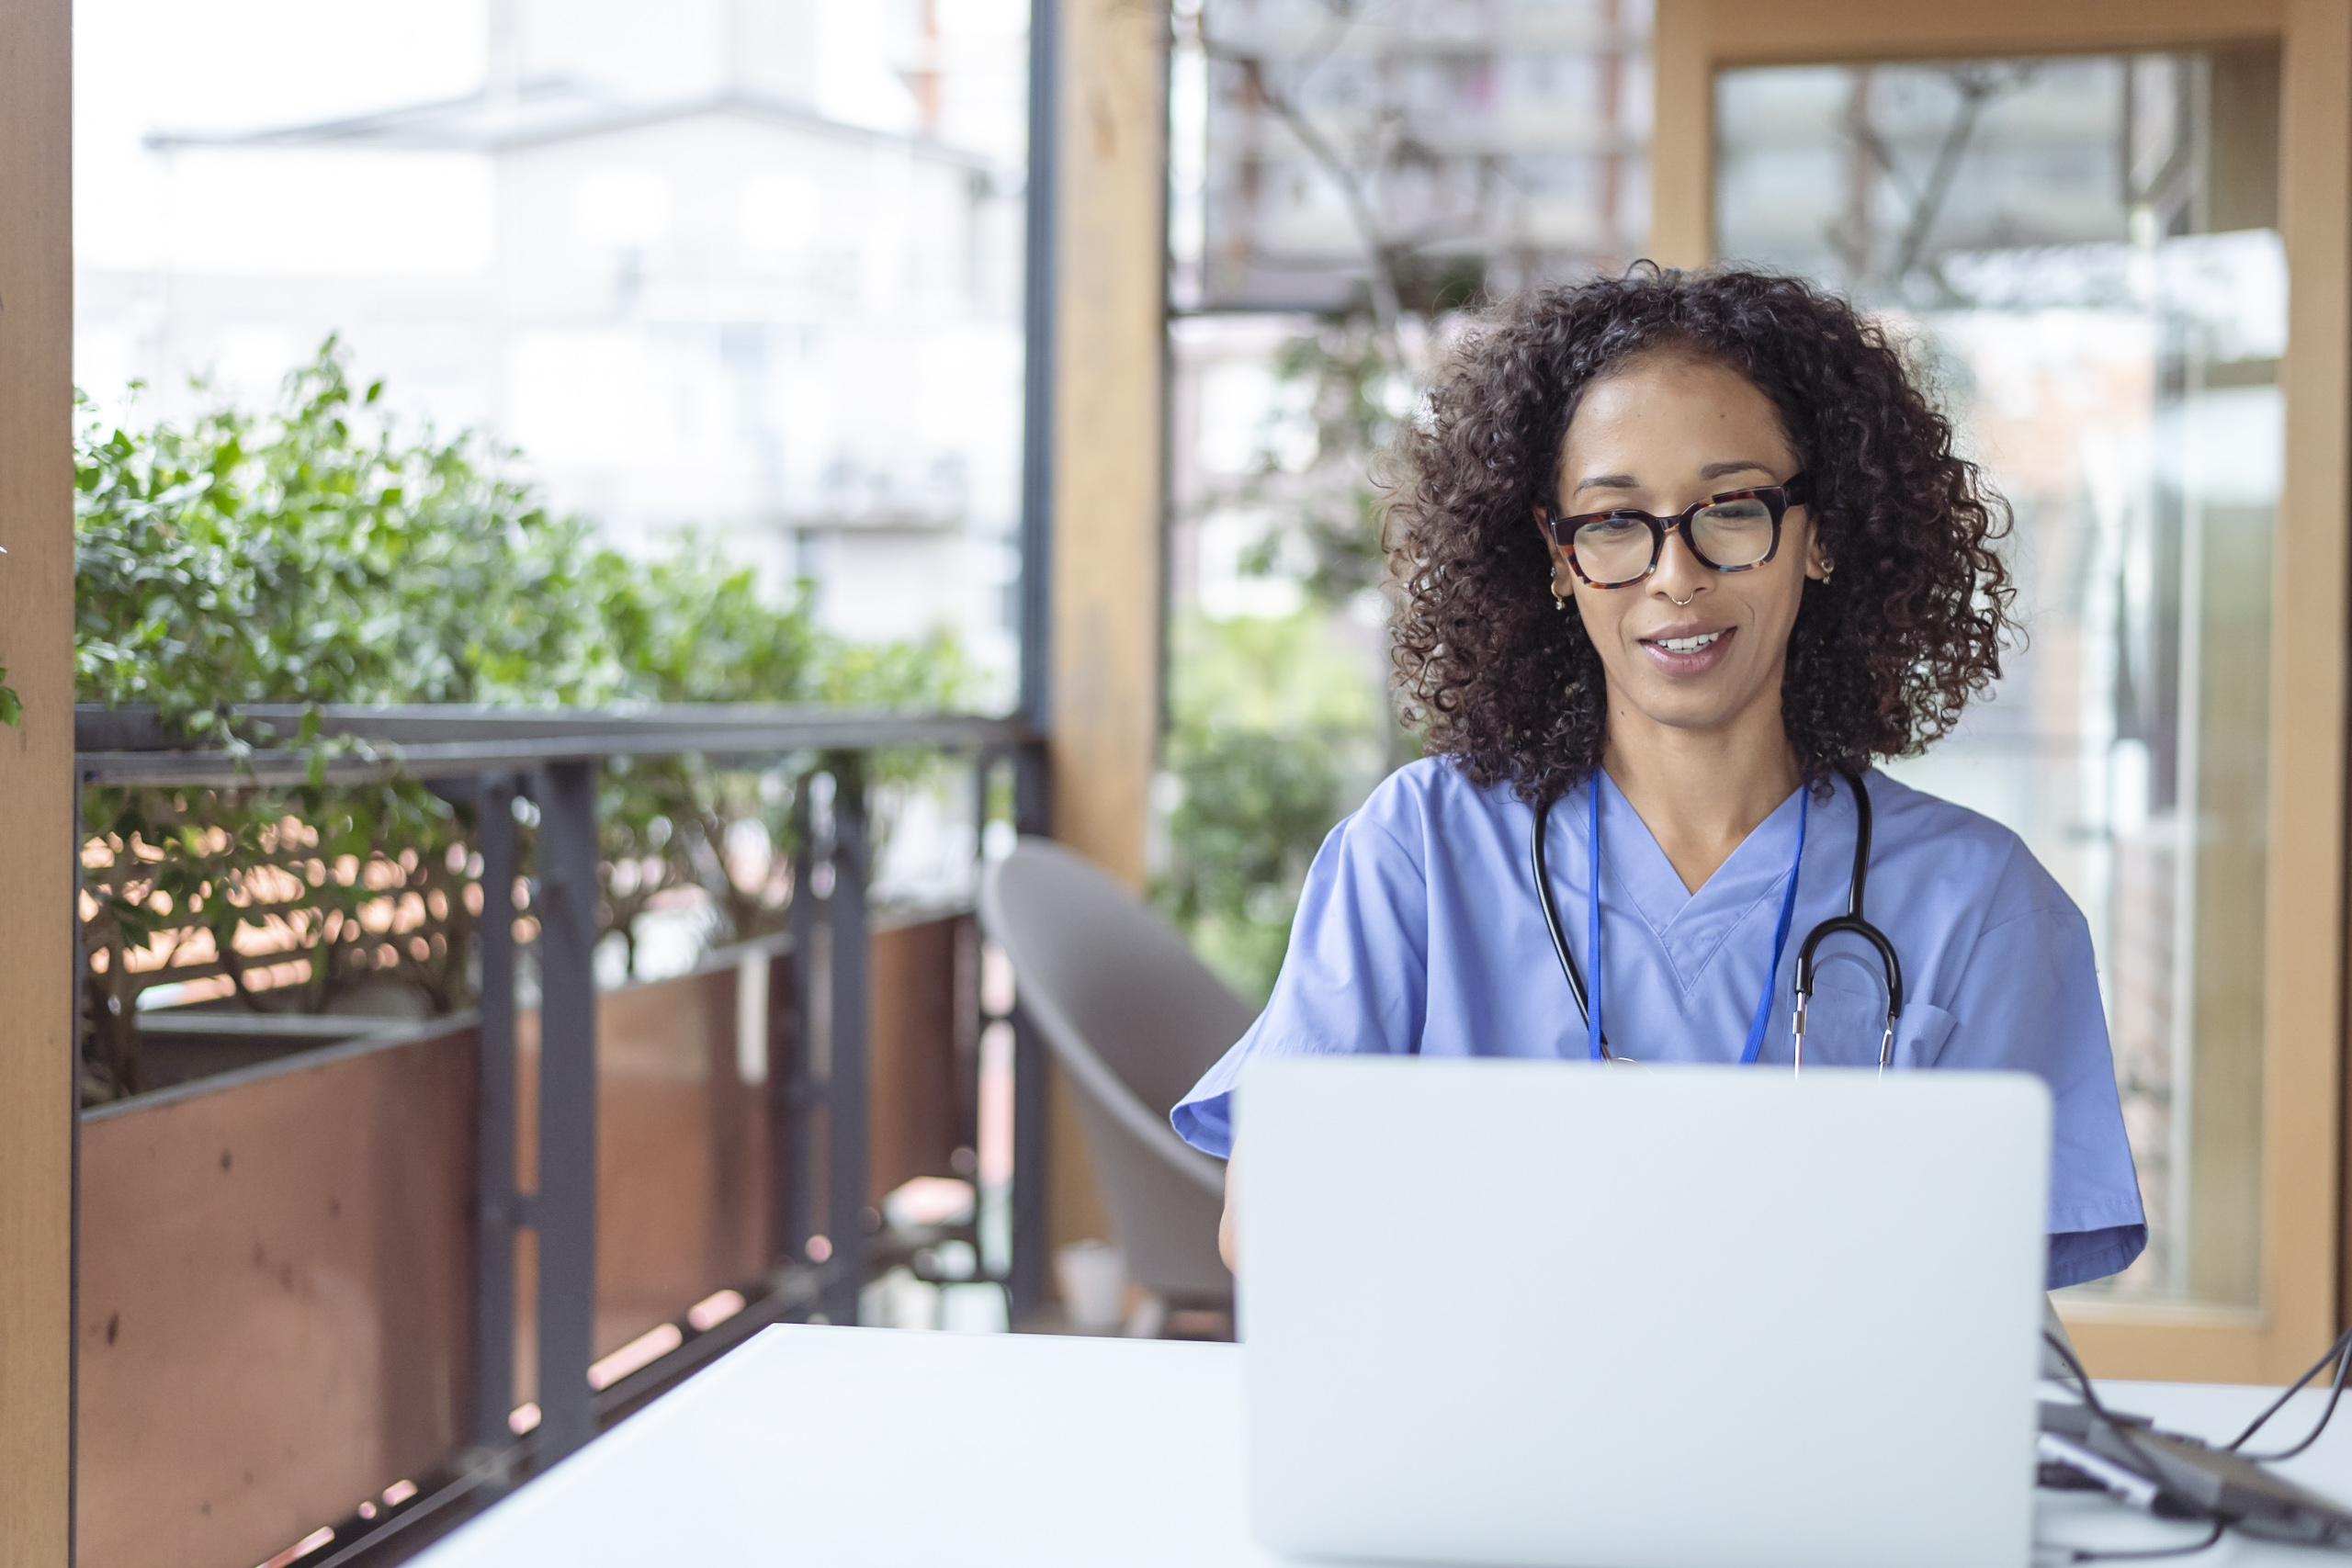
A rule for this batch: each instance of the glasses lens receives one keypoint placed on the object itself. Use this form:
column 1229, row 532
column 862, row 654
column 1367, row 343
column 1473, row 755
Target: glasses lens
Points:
column 1735, row 533
column 1613, row 549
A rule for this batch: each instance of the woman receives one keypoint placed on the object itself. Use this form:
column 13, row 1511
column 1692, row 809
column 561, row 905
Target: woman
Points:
column 1676, row 554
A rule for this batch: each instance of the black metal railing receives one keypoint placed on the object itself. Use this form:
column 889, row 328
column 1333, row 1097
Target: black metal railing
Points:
column 494, row 759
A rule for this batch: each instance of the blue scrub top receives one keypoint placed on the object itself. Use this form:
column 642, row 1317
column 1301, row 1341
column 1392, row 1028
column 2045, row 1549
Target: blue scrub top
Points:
column 1418, row 932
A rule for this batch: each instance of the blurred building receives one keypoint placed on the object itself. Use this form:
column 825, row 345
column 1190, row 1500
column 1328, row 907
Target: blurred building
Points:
column 745, row 266
column 1457, row 142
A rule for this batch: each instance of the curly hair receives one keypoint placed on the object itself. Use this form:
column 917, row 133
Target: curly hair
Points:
column 1879, row 663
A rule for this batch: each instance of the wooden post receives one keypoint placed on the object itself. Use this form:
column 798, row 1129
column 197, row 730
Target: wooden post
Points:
column 37, row 1077
column 1109, row 344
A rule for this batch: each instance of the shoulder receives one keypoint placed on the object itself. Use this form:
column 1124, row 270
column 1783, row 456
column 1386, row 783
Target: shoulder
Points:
column 1431, row 800
column 1934, row 840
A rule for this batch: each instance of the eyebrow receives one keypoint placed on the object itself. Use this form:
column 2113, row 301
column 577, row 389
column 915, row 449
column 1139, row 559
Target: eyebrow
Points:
column 1711, row 471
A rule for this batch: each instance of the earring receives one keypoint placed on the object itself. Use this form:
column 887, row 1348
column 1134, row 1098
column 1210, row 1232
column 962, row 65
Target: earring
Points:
column 1828, row 566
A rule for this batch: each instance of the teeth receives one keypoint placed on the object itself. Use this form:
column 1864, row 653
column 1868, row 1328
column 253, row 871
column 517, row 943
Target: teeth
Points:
column 1688, row 644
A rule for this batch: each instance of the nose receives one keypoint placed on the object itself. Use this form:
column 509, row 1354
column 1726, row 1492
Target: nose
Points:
column 1679, row 576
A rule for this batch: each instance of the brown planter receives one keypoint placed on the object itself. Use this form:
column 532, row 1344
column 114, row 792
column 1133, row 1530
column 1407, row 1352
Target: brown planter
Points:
column 277, row 1265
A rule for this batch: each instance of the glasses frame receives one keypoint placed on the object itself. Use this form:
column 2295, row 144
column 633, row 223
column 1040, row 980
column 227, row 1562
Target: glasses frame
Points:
column 1777, row 499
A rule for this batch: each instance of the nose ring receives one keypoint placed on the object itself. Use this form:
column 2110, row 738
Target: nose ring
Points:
column 1680, row 603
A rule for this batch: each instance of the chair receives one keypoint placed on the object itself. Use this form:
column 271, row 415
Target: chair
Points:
column 1135, row 1019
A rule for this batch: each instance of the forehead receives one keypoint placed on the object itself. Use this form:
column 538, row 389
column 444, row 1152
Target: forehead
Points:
column 1668, row 405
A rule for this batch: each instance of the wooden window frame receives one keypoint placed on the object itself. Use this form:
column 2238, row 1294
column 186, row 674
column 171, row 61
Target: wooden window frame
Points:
column 2302, row 1173
column 36, row 1078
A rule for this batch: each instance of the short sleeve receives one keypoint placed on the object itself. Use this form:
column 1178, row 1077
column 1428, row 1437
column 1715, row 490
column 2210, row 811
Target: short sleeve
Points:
column 1354, row 978
column 2029, row 1003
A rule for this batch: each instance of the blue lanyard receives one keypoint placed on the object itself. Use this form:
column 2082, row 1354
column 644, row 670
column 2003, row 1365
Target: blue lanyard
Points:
column 1756, row 1025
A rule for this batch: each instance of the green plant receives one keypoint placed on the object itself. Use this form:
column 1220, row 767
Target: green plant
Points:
column 1277, row 729
column 1274, row 733
column 320, row 554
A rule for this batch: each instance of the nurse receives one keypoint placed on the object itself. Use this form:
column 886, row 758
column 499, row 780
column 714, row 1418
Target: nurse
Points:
column 1670, row 551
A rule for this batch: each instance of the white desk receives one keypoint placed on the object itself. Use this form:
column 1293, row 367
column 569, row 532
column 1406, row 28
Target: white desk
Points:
column 855, row 1447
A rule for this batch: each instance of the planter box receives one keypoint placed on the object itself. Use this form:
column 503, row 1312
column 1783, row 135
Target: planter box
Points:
column 276, row 1264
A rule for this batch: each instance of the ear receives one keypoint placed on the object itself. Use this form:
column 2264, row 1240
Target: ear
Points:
column 1818, row 563
column 1562, row 575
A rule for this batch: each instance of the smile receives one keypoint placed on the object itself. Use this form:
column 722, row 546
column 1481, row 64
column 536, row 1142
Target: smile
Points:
column 1688, row 644
column 1684, row 653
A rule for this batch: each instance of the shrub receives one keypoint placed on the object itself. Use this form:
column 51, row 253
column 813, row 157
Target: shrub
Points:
column 320, row 554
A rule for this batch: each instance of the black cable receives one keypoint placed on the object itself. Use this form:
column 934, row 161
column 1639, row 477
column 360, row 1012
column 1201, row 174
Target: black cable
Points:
column 2124, row 1434
column 2090, row 1395
column 2343, row 1367
column 2341, row 1353
column 2084, row 1555
column 2115, row 1424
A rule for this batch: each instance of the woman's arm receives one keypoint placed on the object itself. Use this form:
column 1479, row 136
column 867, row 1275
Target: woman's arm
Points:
column 1225, row 1232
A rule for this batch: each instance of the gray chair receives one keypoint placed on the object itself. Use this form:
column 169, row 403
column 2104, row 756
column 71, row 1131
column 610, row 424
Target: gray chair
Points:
column 1135, row 1019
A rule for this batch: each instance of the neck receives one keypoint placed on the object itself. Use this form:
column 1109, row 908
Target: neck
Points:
column 1701, row 792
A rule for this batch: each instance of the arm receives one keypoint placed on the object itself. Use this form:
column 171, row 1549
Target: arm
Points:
column 1225, row 1226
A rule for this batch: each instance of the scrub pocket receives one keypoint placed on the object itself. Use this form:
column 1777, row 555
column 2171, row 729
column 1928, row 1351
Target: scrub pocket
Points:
column 1845, row 1022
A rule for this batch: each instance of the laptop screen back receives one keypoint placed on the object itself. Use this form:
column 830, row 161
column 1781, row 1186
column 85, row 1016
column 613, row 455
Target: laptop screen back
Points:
column 1546, row 1313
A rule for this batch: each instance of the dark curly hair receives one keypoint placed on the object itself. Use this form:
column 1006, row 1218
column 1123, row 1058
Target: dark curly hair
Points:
column 1879, row 664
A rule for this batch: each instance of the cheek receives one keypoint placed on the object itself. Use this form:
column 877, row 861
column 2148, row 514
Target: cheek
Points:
column 1598, row 612
column 1774, row 604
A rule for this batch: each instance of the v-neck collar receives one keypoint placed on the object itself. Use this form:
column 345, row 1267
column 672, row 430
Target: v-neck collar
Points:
column 1692, row 927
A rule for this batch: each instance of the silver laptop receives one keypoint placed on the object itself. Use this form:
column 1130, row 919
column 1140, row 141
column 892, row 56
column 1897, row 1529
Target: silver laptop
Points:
column 1567, row 1317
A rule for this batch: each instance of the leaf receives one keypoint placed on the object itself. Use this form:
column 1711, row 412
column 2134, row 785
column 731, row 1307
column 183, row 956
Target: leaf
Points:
column 318, row 552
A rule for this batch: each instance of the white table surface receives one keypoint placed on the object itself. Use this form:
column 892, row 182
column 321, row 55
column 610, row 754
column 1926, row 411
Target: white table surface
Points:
column 858, row 1446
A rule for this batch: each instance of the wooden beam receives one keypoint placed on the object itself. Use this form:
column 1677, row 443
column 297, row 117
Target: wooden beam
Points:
column 1805, row 32
column 1682, row 136
column 1110, row 340
column 36, row 1079
column 2303, row 939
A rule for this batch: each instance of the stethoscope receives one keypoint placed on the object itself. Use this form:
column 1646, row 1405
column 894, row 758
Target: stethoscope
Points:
column 1850, row 922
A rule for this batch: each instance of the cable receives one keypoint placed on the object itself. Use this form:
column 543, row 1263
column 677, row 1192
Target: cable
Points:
column 2341, row 1353
column 2343, row 1367
column 2123, row 1434
column 2115, row 1424
column 2084, row 1555
column 2090, row 1395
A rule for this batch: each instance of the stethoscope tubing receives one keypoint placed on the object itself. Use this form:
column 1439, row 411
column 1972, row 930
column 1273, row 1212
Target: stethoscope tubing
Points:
column 1852, row 923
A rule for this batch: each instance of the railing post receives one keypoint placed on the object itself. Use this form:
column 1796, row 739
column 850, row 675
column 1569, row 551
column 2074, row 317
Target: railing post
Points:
column 845, row 1086
column 565, row 1207
column 795, row 1085
column 1032, row 1234
column 496, row 1215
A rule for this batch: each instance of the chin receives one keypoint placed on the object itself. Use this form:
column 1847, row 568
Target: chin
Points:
column 1701, row 705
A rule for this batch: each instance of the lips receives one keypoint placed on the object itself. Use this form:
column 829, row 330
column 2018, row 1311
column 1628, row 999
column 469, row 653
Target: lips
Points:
column 1686, row 651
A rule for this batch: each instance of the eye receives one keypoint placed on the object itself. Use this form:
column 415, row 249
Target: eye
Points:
column 1615, row 525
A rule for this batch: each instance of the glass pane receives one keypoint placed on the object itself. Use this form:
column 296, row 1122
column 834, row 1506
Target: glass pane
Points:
column 2082, row 253
column 749, row 275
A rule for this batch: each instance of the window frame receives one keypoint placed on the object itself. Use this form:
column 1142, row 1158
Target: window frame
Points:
column 2302, row 1175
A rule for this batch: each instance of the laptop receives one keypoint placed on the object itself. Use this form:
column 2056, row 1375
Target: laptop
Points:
column 1561, row 1315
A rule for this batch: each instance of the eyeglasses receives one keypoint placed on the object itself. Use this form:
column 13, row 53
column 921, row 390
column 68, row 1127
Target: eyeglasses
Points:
column 1735, row 531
